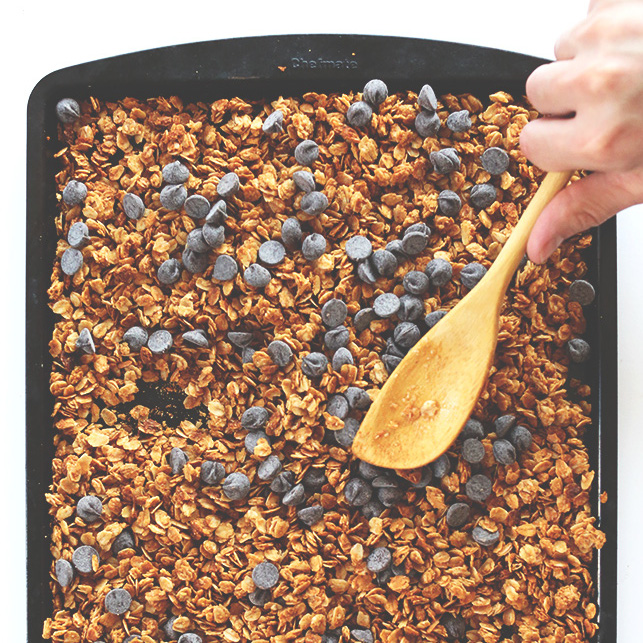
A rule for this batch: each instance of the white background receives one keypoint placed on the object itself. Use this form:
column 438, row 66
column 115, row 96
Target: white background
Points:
column 44, row 37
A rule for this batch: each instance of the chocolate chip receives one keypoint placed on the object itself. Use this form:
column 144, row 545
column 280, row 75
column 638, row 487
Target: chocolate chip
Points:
column 310, row 515
column 259, row 597
column 473, row 451
column 484, row 537
column 341, row 357
column 415, row 282
column 372, row 509
column 357, row 492
column 218, row 214
column 251, row 441
column 175, row 173
column 411, row 308
column 375, row 92
column 386, row 305
column 197, row 206
column 334, row 312
column 457, row 514
column 503, row 425
column 495, row 160
column 280, row 353
column 225, row 268
column 294, row 496
column 78, row 235
column 455, row 626
column 379, row 559
column 247, row 355
column 255, row 418
column 194, row 262
column 427, row 99
column 236, row 486
column 441, row 466
column 439, row 272
column 74, row 193
column 345, row 436
column 67, row 110
column 358, row 399
column 304, row 180
column 256, row 276
column 64, row 572
column 314, row 479
column 307, row 152
column 124, row 540
column 369, row 471
column 118, row 601
column 471, row 274
column 520, row 437
column 213, row 235
column 391, row 362
column 390, row 497
column 459, row 121
column 427, row 124
column 366, row 272
column 291, row 234
column 197, row 337
column 188, row 637
column 363, row 319
column 85, row 559
column 269, row 468
column 504, row 452
column 283, row 482
column 177, row 460
column 169, row 272
column 271, row 253
column 228, row 185
column 338, row 406
column 85, row 342
column 313, row 246
column 336, row 338
column 478, row 487
column 359, row 114
column 384, row 262
column 265, row 575
column 579, row 350
column 434, row 317
column 472, row 429
column 314, row 203
column 173, row 197
column 314, row 365
column 240, row 339
column 212, row 472
column 274, row 123
column 445, row 161
column 483, row 195
column 580, row 290
column 133, row 206
column 406, row 334
column 449, row 203
column 89, row 508
column 71, row 261
column 160, row 342
column 414, row 243
column 395, row 247
column 358, row 248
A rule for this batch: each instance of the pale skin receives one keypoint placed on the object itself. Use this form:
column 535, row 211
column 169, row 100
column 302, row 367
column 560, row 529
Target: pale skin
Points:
column 592, row 98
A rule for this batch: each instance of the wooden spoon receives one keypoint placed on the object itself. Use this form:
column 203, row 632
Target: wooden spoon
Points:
column 427, row 399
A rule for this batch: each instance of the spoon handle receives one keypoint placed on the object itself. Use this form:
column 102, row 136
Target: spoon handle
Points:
column 514, row 249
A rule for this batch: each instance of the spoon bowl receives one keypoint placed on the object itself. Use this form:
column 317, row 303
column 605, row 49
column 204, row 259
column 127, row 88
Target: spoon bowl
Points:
column 427, row 399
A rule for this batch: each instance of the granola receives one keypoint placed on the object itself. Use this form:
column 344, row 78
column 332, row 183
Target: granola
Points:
column 195, row 548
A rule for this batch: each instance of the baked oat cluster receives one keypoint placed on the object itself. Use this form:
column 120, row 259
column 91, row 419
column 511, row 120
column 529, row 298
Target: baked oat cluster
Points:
column 234, row 282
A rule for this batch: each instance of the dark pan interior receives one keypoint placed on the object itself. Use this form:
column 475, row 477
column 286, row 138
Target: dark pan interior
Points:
column 267, row 67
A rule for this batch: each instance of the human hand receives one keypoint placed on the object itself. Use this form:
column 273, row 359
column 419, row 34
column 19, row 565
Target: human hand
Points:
column 592, row 97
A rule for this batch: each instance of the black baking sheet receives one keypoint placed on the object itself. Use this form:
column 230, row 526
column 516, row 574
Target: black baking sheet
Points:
column 269, row 67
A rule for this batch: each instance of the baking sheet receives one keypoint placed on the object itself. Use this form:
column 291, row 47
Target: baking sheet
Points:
column 269, row 67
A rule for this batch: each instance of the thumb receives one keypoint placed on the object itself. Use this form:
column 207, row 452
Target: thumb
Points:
column 581, row 205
